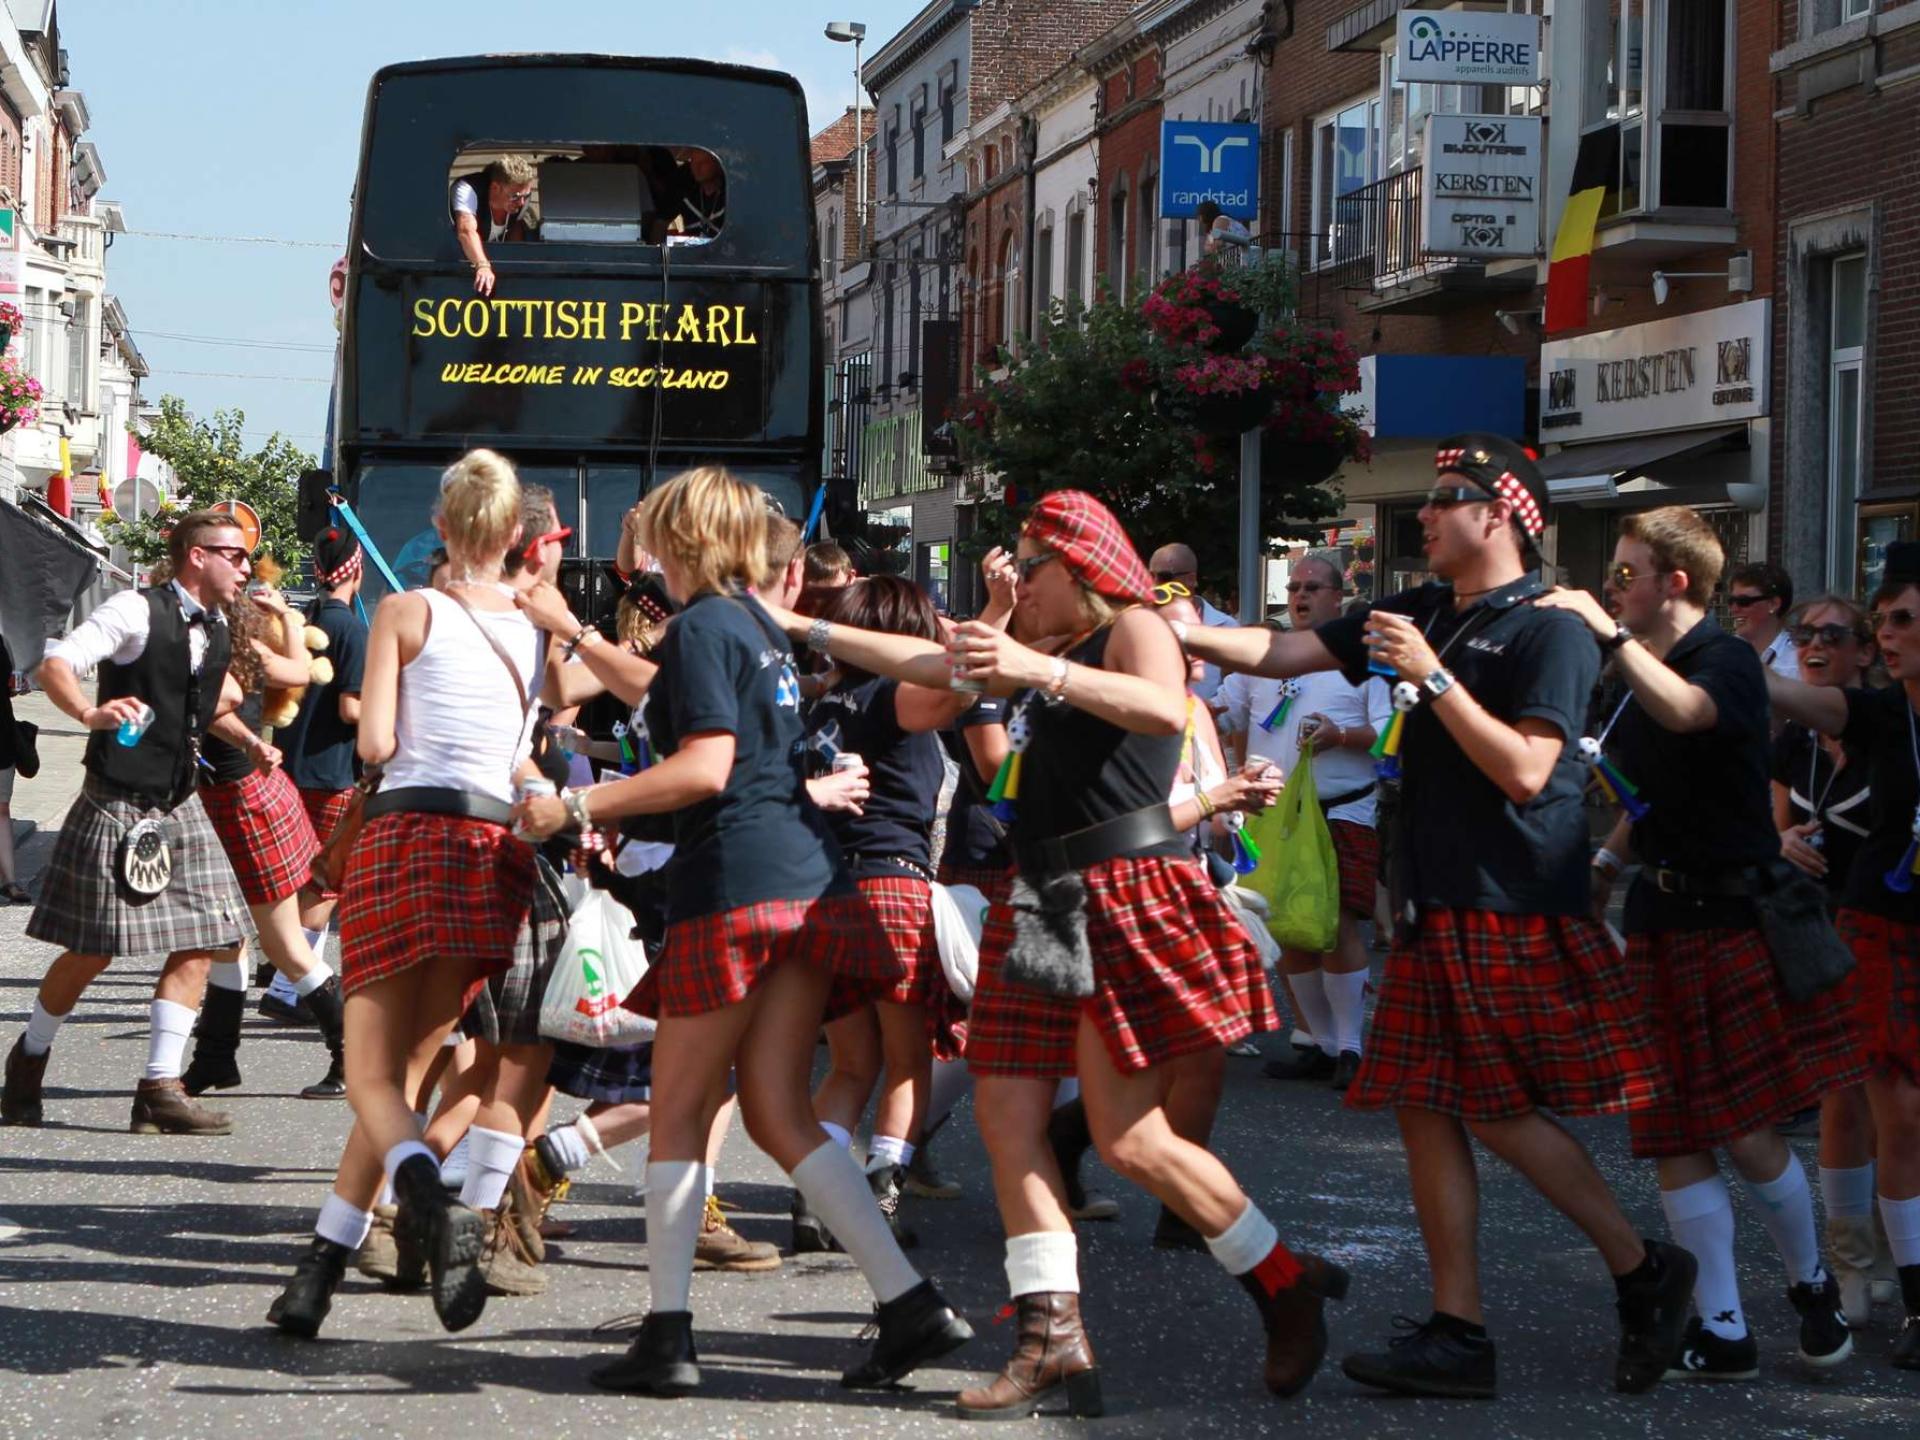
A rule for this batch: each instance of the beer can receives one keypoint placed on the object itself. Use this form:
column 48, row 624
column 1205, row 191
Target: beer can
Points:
column 526, row 790
column 847, row 760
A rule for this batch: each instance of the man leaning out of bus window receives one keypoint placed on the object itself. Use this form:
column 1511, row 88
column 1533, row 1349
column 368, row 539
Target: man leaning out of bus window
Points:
column 494, row 201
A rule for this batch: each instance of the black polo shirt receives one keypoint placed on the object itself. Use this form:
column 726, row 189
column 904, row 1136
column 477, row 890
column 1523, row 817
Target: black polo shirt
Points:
column 1466, row 845
column 1710, row 808
column 1839, row 800
column 1881, row 726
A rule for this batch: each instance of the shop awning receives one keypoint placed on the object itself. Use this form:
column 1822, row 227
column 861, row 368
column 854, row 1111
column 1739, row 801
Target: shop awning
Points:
column 1596, row 470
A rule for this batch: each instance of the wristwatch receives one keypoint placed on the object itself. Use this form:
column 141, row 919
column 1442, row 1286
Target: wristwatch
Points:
column 1437, row 684
column 1620, row 636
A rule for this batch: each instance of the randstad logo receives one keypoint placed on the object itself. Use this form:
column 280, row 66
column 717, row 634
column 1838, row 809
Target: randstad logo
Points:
column 1430, row 42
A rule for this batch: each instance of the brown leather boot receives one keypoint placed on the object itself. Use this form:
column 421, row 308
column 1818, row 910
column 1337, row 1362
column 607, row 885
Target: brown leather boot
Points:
column 20, row 1100
column 1292, row 1292
column 163, row 1107
column 1052, row 1356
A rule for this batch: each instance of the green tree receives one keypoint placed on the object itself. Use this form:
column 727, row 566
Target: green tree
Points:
column 211, row 462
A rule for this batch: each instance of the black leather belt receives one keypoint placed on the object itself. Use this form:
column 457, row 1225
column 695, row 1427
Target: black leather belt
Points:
column 432, row 800
column 1717, row 883
column 1330, row 803
column 1123, row 835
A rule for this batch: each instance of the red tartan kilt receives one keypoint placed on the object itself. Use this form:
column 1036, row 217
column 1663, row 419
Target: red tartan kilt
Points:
column 1740, row 1056
column 716, row 960
column 265, row 831
column 433, row 887
column 1173, row 975
column 993, row 884
column 1883, row 992
column 324, row 811
column 1486, row 1016
column 1356, row 850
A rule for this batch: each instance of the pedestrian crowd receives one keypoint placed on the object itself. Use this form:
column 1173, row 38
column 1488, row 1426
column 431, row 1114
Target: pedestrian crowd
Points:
column 1002, row 855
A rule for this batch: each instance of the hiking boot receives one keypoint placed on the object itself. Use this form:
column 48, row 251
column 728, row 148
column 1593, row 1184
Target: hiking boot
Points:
column 1311, row 1063
column 163, row 1107
column 507, row 1266
column 20, row 1099
column 216, row 1043
column 1291, row 1293
column 1825, row 1339
column 1438, row 1356
column 660, row 1361
column 1708, row 1356
column 451, row 1238
column 303, row 1305
column 378, row 1257
column 1051, row 1356
column 1852, row 1249
column 924, row 1178
column 1653, row 1317
column 721, row 1247
column 908, row 1331
column 886, row 1184
column 531, row 1190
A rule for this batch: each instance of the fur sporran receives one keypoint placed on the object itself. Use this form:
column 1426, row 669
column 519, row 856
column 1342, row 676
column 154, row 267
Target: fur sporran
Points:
column 1050, row 953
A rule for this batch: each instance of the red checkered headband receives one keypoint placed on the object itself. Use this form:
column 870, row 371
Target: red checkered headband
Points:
column 336, row 557
column 1091, row 544
column 1502, row 468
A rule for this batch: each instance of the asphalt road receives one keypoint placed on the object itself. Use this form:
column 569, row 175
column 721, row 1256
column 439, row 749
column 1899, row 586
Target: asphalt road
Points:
column 135, row 1273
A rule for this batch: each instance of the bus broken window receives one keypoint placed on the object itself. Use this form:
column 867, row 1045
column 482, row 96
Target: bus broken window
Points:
column 595, row 194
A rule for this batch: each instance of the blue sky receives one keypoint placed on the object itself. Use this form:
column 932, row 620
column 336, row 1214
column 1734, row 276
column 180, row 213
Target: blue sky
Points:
column 242, row 118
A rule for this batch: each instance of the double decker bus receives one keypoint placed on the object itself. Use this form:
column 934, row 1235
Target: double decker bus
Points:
column 654, row 297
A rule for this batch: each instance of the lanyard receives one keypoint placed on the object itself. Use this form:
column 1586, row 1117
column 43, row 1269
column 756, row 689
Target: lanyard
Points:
column 1818, row 806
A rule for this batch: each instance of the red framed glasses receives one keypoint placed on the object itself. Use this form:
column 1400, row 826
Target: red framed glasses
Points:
column 552, row 537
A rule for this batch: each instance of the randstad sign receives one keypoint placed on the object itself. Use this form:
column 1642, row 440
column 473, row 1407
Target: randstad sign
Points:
column 1203, row 160
column 1469, row 47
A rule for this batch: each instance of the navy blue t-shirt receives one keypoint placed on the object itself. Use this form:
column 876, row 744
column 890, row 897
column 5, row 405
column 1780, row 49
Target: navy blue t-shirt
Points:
column 1881, row 727
column 1466, row 845
column 319, row 744
column 725, row 667
column 896, row 822
column 975, row 839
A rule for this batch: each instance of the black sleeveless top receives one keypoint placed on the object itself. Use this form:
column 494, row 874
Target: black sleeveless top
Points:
column 227, row 763
column 1078, row 770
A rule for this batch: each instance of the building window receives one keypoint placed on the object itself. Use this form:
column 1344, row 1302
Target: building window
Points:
column 1075, row 287
column 1855, row 9
column 830, row 254
column 1009, row 292
column 893, row 159
column 1149, row 231
column 919, row 142
column 946, row 113
column 1672, row 61
column 1042, row 275
column 1117, row 244
column 1345, row 159
column 886, row 325
column 1846, row 356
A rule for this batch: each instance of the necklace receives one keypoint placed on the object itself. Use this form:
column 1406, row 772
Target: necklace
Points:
column 469, row 582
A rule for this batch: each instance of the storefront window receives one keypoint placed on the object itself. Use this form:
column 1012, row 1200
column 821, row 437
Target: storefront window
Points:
column 890, row 541
column 933, row 573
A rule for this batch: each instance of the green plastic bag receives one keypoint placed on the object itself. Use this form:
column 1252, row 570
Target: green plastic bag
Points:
column 1297, row 873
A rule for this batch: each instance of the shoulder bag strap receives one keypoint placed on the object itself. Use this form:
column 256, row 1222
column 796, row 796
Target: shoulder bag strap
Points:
column 519, row 681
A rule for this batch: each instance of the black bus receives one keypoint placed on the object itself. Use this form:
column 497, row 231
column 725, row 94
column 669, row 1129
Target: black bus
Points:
column 654, row 295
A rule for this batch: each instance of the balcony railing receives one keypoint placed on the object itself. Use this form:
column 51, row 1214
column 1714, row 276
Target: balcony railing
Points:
column 1376, row 241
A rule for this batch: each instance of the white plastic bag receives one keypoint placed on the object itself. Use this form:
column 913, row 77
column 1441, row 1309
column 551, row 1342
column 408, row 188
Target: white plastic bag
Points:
column 959, row 914
column 597, row 969
column 1250, row 909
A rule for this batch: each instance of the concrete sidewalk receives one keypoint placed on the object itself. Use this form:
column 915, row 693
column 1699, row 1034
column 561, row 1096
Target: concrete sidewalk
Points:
column 41, row 803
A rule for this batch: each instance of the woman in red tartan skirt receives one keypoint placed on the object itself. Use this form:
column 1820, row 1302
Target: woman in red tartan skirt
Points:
column 1880, row 913
column 437, row 890
column 1503, row 1004
column 1114, row 956
column 1741, row 1056
column 269, row 840
column 763, row 921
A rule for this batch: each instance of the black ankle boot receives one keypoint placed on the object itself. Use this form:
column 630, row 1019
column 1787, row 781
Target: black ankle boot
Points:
column 326, row 1005
column 661, row 1361
column 1070, row 1137
column 1170, row 1232
column 447, row 1235
column 1906, row 1349
column 309, row 1294
column 216, row 1045
column 887, row 1184
column 810, row 1233
column 914, row 1329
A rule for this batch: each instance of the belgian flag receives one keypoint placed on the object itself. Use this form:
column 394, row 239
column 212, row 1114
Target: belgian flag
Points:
column 1596, row 171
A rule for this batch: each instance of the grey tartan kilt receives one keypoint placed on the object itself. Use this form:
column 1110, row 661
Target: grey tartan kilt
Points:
column 85, row 906
column 507, row 1011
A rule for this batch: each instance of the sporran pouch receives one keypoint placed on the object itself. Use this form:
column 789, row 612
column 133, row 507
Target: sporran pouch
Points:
column 145, row 858
column 1050, row 952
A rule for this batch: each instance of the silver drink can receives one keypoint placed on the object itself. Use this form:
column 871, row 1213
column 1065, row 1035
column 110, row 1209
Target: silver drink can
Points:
column 846, row 760
column 526, row 790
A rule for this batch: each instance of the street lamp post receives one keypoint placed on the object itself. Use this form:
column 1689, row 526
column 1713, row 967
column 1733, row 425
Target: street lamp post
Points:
column 853, row 31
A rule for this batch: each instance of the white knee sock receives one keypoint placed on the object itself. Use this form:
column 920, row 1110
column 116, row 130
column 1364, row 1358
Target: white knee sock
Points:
column 951, row 1080
column 343, row 1223
column 838, row 1134
column 706, row 1183
column 1246, row 1242
column 1700, row 1218
column 491, row 1156
column 312, row 980
column 458, row 1162
column 282, row 989
column 1786, row 1209
column 675, row 1208
column 837, row 1192
column 1310, row 994
column 170, row 1025
column 227, row 975
column 1902, row 1219
column 403, row 1152
column 888, row 1150
column 316, row 941
column 1045, row 1262
column 42, row 1026
column 1347, row 1004
column 569, row 1146
column 1847, row 1192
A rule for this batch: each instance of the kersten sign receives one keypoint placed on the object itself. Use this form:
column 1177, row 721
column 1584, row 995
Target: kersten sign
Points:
column 1482, row 181
column 1469, row 47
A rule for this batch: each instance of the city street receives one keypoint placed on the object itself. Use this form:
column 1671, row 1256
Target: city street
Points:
column 135, row 1273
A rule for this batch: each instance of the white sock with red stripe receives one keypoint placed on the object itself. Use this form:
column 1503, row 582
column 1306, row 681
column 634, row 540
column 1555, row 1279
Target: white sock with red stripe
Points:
column 1251, row 1246
column 1786, row 1209
column 1700, row 1218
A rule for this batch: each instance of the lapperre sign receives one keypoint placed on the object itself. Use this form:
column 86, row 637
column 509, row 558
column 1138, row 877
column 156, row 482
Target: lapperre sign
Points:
column 1209, row 160
column 1699, row 369
column 1468, row 47
column 1482, row 179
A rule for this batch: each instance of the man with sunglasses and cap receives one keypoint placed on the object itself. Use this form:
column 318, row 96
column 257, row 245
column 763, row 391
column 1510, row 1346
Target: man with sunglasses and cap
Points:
column 137, row 868
column 1177, row 566
column 1503, row 1005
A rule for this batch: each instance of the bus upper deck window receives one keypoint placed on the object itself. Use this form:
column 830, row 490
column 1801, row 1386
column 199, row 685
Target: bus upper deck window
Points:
column 597, row 194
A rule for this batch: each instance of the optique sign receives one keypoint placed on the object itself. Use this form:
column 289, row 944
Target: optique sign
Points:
column 1482, row 181
column 1469, row 47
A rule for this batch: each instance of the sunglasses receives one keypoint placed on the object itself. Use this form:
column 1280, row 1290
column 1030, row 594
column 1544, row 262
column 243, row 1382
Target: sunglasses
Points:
column 1832, row 633
column 1445, row 497
column 1623, row 575
column 1891, row 619
column 1742, row 602
column 1026, row 567
column 1306, row 587
column 1170, row 591
column 234, row 555
column 565, row 532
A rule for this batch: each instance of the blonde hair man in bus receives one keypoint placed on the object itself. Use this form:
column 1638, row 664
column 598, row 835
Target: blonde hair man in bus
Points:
column 501, row 194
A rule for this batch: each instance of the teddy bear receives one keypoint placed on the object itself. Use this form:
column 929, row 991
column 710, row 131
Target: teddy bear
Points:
column 282, row 703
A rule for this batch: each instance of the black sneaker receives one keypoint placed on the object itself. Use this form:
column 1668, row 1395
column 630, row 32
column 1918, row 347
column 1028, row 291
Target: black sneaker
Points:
column 1653, row 1317
column 1433, row 1357
column 886, row 1183
column 810, row 1233
column 1311, row 1063
column 1825, row 1339
column 1707, row 1356
column 1906, row 1347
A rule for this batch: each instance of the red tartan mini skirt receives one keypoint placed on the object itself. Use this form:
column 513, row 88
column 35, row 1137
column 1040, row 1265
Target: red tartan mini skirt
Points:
column 715, row 960
column 904, row 909
column 1356, row 851
column 1883, row 992
column 993, row 884
column 1173, row 972
column 325, row 809
column 265, row 831
column 1739, row 1056
column 433, row 887
column 1486, row 1016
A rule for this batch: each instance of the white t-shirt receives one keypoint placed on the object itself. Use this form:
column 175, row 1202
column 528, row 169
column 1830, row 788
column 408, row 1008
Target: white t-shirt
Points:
column 466, row 200
column 1781, row 658
column 1249, row 699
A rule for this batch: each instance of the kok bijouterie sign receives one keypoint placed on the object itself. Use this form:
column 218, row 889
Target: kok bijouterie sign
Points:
column 1706, row 368
column 1468, row 47
column 1482, row 181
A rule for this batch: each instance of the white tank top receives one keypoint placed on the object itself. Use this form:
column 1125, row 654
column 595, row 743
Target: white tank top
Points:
column 458, row 723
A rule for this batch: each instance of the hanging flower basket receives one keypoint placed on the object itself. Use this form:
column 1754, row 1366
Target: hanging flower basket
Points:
column 1235, row 323
column 1230, row 412
column 1299, row 462
column 19, row 394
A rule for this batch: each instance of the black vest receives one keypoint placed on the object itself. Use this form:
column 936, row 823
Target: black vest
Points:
column 160, row 769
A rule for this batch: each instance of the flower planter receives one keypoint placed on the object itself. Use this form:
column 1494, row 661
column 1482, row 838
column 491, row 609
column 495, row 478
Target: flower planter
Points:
column 1236, row 322
column 1299, row 462
column 1231, row 412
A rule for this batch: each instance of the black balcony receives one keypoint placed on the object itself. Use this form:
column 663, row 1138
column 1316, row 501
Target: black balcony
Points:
column 1375, row 247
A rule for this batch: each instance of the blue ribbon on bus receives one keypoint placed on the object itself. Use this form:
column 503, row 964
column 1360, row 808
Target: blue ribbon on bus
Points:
column 345, row 512
column 813, row 515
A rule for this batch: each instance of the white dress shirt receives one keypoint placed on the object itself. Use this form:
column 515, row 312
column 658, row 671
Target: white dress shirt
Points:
column 1249, row 699
column 117, row 631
